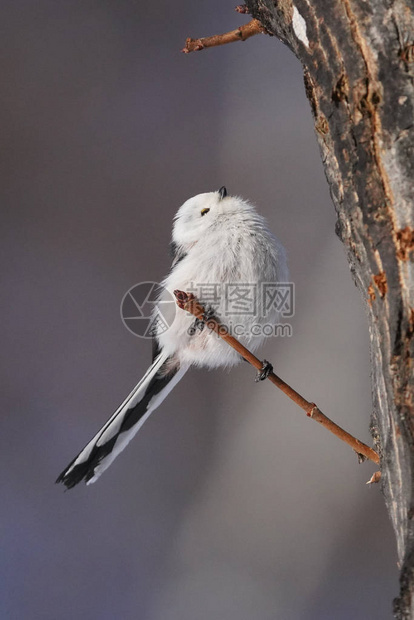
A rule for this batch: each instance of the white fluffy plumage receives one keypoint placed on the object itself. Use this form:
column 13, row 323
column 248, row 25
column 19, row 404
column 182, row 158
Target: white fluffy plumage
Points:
column 231, row 243
column 217, row 240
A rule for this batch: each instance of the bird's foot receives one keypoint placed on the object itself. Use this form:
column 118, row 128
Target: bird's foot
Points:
column 264, row 372
column 208, row 314
column 200, row 323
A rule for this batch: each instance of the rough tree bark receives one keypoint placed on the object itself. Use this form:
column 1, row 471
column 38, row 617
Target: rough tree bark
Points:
column 358, row 60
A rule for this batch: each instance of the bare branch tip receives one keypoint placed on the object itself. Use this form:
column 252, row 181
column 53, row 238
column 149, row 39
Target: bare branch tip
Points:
column 182, row 298
column 241, row 33
column 375, row 478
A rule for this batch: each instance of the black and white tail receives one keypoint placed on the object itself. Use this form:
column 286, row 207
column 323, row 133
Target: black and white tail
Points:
column 115, row 435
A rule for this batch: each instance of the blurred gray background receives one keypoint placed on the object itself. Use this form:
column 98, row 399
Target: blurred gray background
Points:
column 229, row 504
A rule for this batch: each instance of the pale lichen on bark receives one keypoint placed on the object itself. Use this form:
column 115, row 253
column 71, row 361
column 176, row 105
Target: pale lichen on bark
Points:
column 358, row 60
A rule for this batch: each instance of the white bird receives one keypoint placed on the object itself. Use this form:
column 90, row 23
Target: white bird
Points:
column 220, row 244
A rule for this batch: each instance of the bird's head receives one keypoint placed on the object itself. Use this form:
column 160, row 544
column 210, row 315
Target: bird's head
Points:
column 205, row 214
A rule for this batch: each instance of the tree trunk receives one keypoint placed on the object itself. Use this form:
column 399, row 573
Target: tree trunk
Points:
column 358, row 60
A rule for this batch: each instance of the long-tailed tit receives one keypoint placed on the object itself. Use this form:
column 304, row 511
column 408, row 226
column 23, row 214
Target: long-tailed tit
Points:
column 218, row 240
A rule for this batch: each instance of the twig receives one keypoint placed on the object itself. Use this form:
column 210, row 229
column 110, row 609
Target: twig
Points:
column 240, row 34
column 187, row 301
column 376, row 477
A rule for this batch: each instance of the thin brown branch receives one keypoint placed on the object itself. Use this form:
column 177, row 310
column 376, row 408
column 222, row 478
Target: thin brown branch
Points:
column 187, row 301
column 240, row 34
column 375, row 478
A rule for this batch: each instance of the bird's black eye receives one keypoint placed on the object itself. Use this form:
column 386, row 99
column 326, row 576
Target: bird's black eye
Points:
column 204, row 211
